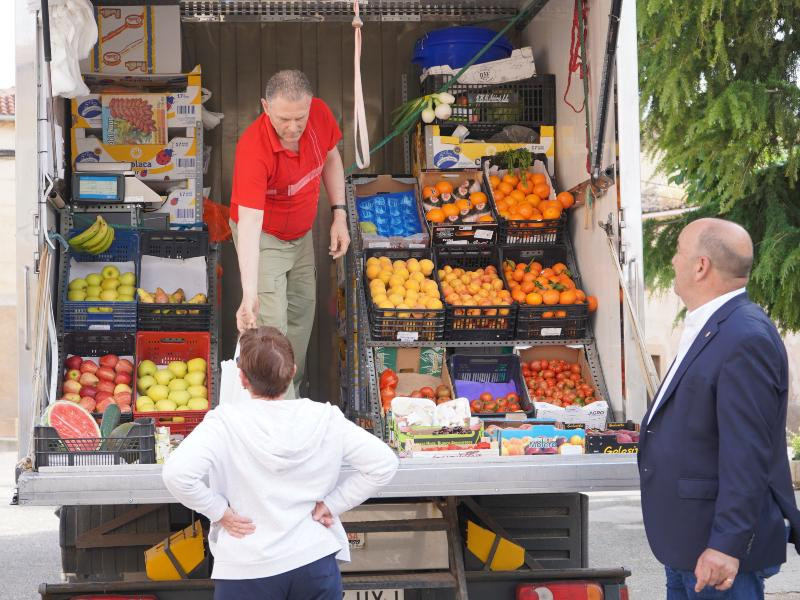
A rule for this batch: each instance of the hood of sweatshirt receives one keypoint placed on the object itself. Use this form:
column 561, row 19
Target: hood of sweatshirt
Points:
column 280, row 434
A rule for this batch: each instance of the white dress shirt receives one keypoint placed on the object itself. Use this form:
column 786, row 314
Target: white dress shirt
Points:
column 692, row 325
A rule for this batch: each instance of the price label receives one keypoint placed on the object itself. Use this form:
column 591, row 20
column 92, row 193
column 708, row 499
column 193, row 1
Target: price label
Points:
column 357, row 541
column 455, row 242
column 551, row 331
column 484, row 234
column 417, row 246
column 379, row 245
column 407, row 336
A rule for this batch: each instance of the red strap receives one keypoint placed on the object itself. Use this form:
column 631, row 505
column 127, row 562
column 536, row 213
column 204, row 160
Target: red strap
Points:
column 575, row 52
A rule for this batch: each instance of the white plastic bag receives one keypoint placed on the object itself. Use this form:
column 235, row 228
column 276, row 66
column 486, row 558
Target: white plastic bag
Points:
column 231, row 390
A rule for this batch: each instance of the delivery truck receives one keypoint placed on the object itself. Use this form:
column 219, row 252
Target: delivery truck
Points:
column 487, row 510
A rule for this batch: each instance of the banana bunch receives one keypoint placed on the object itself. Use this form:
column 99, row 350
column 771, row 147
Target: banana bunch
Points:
column 176, row 297
column 95, row 239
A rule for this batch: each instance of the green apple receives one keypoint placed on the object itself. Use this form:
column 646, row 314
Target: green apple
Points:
column 145, row 383
column 78, row 284
column 147, row 407
column 110, row 272
column 179, row 397
column 127, row 279
column 110, row 284
column 178, row 385
column 126, row 290
column 146, row 367
column 142, row 401
column 197, row 365
column 92, row 298
column 178, row 368
column 196, row 378
column 165, row 404
column 158, row 392
column 94, row 290
column 76, row 295
column 197, row 391
column 198, row 404
column 109, row 295
column 164, row 376
column 94, row 279
column 184, row 407
column 122, row 298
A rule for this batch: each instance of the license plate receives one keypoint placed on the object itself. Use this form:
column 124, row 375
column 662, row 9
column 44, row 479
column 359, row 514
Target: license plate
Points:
column 374, row 595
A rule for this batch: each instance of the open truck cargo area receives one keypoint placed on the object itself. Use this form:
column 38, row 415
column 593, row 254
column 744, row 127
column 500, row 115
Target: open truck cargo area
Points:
column 435, row 203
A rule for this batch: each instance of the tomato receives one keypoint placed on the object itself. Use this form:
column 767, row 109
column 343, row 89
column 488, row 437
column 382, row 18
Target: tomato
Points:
column 550, row 382
column 486, row 397
column 476, row 406
column 544, row 364
column 536, row 365
column 574, row 377
column 561, row 376
column 548, row 373
column 387, row 395
column 427, row 392
column 513, row 398
column 575, row 368
column 589, row 399
column 490, row 406
column 388, row 379
column 526, row 372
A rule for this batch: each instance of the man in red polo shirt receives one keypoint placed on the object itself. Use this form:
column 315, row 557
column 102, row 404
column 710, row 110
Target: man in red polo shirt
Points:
column 280, row 160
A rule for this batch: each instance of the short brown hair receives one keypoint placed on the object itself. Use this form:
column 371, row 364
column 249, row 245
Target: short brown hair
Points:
column 267, row 360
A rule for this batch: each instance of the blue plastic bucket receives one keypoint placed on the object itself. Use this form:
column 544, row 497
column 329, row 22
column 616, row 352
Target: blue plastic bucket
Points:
column 455, row 46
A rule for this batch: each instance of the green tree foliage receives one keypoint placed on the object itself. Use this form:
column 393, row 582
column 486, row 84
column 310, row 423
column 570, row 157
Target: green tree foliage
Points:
column 721, row 111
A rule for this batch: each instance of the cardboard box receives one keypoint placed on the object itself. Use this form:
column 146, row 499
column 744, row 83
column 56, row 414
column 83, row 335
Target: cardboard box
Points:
column 598, row 442
column 134, row 119
column 175, row 160
column 593, row 415
column 136, row 39
column 516, row 67
column 181, row 205
column 386, row 184
column 540, row 439
column 426, row 361
column 435, row 151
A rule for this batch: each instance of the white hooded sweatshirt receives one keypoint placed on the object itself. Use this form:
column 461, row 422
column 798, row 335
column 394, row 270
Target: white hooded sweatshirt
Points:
column 271, row 461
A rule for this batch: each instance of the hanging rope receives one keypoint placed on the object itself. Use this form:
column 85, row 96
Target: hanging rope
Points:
column 576, row 62
column 360, row 133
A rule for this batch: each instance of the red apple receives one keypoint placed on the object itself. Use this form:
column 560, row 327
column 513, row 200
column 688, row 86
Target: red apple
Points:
column 73, row 362
column 101, row 396
column 88, row 379
column 106, row 373
column 72, row 397
column 123, row 378
column 89, row 390
column 122, row 388
column 105, row 386
column 109, row 360
column 123, row 399
column 125, row 409
column 72, row 387
column 88, row 366
column 88, row 403
column 73, row 374
column 124, row 366
column 103, row 404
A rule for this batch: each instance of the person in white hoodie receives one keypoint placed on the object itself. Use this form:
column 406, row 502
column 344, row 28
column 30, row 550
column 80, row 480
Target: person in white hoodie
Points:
column 275, row 485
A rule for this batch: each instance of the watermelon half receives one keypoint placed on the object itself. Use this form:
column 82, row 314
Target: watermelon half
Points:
column 74, row 423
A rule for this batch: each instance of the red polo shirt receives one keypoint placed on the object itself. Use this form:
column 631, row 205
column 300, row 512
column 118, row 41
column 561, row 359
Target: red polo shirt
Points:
column 283, row 183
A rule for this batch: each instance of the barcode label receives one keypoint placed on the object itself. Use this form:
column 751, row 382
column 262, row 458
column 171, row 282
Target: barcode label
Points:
column 186, row 163
column 483, row 234
column 185, row 110
column 184, row 213
column 551, row 331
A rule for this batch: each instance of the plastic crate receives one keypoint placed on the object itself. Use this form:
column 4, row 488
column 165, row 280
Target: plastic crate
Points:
column 391, row 324
column 164, row 347
column 177, row 317
column 496, row 368
column 532, row 324
column 114, row 316
column 487, row 109
column 479, row 323
column 138, row 447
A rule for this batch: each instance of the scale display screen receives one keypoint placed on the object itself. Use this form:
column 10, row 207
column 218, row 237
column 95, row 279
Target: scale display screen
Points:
column 98, row 188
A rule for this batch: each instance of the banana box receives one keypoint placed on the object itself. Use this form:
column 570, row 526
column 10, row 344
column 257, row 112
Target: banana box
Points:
column 181, row 205
column 151, row 162
column 183, row 109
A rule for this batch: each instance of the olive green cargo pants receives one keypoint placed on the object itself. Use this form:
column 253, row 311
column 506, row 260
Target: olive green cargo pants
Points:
column 287, row 292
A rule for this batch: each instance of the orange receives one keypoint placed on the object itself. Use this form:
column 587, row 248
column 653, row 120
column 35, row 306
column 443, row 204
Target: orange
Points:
column 450, row 210
column 566, row 282
column 527, row 287
column 516, row 194
column 485, row 219
column 533, row 298
column 580, row 295
column 551, row 213
column 559, row 268
column 529, row 276
column 533, row 199
column 550, row 204
column 536, row 216
column 567, row 297
column 551, row 297
column 444, row 187
column 435, row 215
column 511, row 179
column 518, row 295
column 525, row 211
column 536, row 267
column 542, row 190
column 592, row 302
column 547, row 272
column 429, row 191
column 494, row 180
column 501, row 204
column 561, row 314
column 525, row 186
column 548, row 314
column 464, row 205
column 566, row 199
column 538, row 178
column 477, row 198
column 518, row 275
column 506, row 188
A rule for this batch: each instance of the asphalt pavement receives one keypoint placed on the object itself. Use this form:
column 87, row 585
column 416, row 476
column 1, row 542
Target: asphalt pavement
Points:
column 29, row 552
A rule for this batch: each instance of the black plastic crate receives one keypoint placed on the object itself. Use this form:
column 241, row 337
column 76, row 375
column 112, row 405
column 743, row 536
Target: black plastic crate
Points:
column 535, row 322
column 400, row 324
column 495, row 368
column 137, row 447
column 485, row 109
column 496, row 322
column 181, row 316
column 101, row 315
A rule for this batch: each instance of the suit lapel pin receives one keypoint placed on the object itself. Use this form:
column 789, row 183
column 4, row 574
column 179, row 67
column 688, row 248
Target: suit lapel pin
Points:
column 708, row 333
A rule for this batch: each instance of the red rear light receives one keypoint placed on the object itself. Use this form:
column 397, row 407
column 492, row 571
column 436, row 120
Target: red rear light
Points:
column 578, row 590
column 623, row 592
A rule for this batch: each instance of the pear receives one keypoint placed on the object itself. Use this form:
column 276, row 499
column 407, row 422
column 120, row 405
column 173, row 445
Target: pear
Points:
column 161, row 296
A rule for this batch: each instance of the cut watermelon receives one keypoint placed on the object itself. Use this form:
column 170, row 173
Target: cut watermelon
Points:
column 74, row 423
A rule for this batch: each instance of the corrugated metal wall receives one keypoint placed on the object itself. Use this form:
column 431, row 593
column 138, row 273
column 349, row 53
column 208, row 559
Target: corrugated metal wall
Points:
column 237, row 60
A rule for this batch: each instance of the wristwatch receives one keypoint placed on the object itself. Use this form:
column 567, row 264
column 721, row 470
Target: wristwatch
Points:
column 339, row 207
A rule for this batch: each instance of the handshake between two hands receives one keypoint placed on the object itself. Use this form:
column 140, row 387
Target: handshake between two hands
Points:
column 239, row 526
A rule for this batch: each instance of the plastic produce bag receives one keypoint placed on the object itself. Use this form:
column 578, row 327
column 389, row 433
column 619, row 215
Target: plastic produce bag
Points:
column 216, row 217
column 231, row 390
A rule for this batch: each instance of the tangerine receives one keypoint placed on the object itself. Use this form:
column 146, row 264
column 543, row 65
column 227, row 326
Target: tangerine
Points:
column 567, row 297
column 527, row 287
column 548, row 314
column 444, row 187
column 566, row 199
column 542, row 190
column 505, row 187
column 538, row 178
column 477, row 198
column 592, row 302
column 551, row 213
column 525, row 211
column 551, row 297
column 485, row 219
column 518, row 295
column 464, row 205
column 429, row 191
column 494, row 180
column 560, row 314
column 534, row 298
column 513, row 180
column 580, row 295
column 435, row 215
column 517, row 195
column 450, row 210
column 559, row 268
column 533, row 199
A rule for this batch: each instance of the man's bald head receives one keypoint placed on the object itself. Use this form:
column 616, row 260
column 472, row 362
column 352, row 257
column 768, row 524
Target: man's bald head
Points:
column 726, row 244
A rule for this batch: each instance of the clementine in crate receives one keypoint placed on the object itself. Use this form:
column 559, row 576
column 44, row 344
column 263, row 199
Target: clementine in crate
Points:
column 533, row 285
column 435, row 215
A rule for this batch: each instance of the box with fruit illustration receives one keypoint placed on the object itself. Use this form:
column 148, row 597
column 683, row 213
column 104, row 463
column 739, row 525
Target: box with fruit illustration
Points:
column 478, row 303
column 493, row 384
column 388, row 212
column 546, row 287
column 403, row 297
column 134, row 119
column 561, row 386
column 616, row 438
column 412, row 373
column 177, row 159
column 174, row 378
column 522, row 194
column 456, row 208
column 516, row 440
column 419, row 424
column 176, row 276
column 99, row 291
column 98, row 371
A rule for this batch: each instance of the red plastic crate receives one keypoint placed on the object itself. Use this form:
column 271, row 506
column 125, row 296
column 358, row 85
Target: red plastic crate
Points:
column 162, row 347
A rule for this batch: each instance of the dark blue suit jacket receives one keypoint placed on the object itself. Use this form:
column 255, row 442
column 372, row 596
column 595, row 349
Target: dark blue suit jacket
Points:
column 712, row 461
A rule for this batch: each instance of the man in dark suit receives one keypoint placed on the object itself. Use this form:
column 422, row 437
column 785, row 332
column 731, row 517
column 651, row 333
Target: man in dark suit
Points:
column 717, row 497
